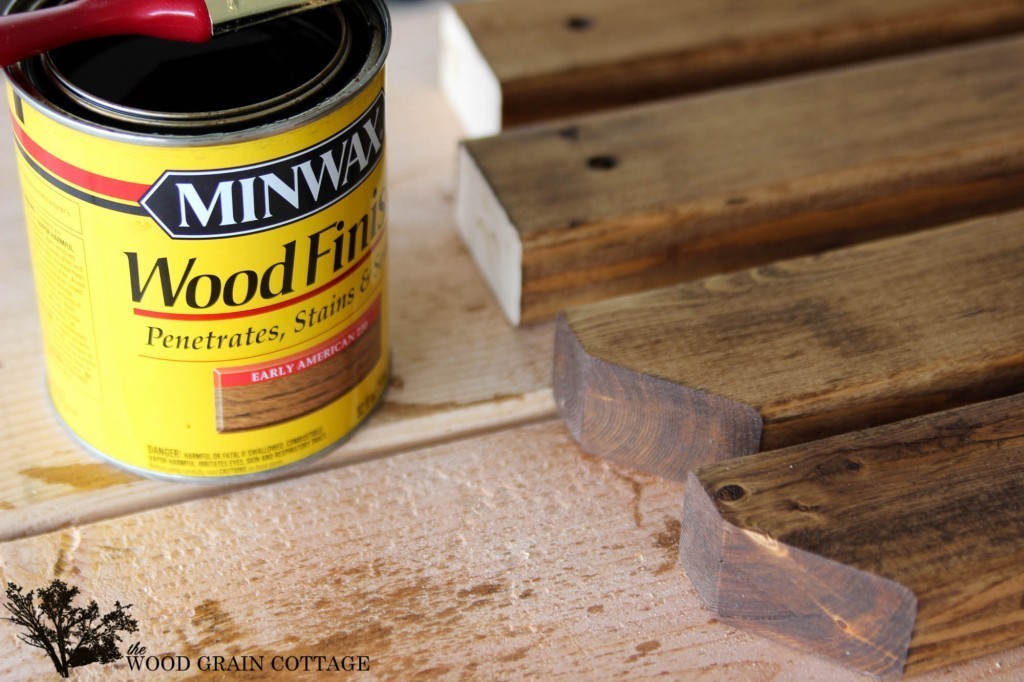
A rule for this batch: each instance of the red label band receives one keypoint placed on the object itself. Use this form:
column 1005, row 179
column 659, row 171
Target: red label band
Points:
column 98, row 184
column 278, row 369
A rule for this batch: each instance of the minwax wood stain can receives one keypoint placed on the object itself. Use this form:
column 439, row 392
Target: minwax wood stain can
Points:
column 208, row 236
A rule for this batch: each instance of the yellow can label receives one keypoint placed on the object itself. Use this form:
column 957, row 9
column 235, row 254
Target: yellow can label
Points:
column 211, row 310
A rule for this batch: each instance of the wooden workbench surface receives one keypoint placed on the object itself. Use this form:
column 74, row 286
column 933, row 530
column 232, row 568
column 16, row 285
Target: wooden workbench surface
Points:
column 460, row 535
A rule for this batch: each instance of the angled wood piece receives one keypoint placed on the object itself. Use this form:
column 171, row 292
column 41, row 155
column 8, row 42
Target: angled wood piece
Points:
column 675, row 378
column 569, row 213
column 891, row 548
column 508, row 62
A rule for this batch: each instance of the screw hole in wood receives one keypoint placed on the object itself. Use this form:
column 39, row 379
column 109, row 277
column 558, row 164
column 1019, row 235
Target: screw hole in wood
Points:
column 579, row 23
column 602, row 162
column 730, row 493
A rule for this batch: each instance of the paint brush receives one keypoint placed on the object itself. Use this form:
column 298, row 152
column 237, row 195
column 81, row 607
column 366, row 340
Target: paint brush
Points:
column 26, row 34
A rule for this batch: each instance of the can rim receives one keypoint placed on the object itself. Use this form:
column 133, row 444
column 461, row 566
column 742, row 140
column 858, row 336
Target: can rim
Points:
column 377, row 52
column 241, row 114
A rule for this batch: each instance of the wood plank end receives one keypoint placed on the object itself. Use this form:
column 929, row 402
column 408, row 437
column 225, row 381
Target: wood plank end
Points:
column 643, row 421
column 489, row 234
column 467, row 80
column 752, row 581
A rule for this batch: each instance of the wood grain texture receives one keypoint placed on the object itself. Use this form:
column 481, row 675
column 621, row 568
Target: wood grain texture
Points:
column 797, row 350
column 545, row 59
column 620, row 202
column 897, row 544
column 494, row 378
column 506, row 557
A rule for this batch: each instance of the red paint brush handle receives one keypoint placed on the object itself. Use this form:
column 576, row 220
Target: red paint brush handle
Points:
column 30, row 33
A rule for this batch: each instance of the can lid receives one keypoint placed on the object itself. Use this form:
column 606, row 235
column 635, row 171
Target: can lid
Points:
column 236, row 77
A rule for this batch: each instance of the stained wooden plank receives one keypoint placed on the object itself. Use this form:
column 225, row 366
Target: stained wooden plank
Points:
column 672, row 379
column 497, row 378
column 508, row 62
column 888, row 549
column 608, row 204
column 478, row 560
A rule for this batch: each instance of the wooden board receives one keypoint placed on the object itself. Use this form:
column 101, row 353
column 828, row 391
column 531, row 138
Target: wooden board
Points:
column 581, row 210
column 672, row 379
column 477, row 560
column 508, row 62
column 891, row 548
column 500, row 377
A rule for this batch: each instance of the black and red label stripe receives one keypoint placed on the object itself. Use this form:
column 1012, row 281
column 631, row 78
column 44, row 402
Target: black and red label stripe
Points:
column 93, row 188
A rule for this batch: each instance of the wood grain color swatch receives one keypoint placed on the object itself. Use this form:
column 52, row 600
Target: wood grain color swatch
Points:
column 900, row 545
column 508, row 62
column 620, row 202
column 324, row 376
column 675, row 378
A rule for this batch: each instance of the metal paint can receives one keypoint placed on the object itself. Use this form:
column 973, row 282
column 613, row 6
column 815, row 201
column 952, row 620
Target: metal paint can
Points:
column 208, row 236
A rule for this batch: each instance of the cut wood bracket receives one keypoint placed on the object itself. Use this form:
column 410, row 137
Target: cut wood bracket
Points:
column 675, row 378
column 507, row 62
column 565, row 214
column 895, row 549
